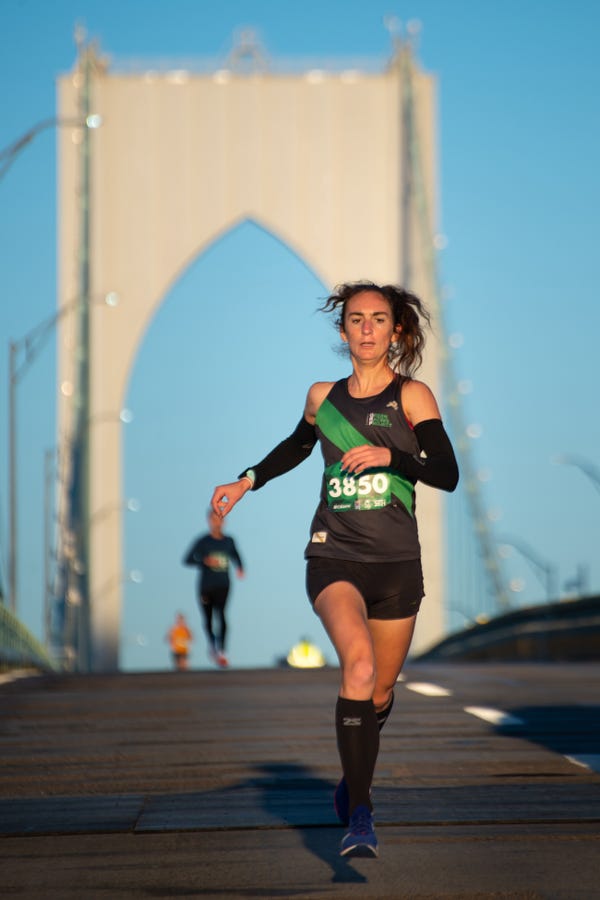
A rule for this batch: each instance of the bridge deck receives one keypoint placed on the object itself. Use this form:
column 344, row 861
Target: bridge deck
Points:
column 218, row 784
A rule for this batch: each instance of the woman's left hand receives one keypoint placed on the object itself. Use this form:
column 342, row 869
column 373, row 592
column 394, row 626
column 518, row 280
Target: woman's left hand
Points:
column 358, row 459
column 225, row 496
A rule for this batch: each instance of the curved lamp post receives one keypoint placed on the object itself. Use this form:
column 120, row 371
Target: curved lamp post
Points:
column 31, row 342
column 546, row 571
column 589, row 469
column 10, row 153
column 21, row 354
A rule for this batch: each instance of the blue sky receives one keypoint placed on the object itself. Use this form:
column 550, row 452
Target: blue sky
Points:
column 519, row 131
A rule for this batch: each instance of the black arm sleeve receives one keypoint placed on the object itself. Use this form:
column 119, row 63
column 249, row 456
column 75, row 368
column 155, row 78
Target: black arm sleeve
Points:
column 438, row 468
column 286, row 455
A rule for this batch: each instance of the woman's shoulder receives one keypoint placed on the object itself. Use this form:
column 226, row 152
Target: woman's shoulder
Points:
column 410, row 387
column 321, row 388
column 317, row 393
column 418, row 401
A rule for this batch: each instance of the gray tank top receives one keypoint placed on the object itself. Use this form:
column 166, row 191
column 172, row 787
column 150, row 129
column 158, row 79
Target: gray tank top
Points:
column 370, row 517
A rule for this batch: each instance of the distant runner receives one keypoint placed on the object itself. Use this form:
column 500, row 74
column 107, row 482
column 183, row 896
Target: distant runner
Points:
column 211, row 554
column 180, row 637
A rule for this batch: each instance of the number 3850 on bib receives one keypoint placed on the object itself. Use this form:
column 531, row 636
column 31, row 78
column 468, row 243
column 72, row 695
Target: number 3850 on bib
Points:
column 370, row 490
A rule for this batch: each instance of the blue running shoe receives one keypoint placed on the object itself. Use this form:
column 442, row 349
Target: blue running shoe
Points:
column 360, row 839
column 341, row 802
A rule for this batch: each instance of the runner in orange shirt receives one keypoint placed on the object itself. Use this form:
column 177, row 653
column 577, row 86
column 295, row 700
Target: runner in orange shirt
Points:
column 180, row 637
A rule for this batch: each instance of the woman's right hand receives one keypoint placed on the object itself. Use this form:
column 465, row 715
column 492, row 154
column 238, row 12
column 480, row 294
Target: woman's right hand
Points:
column 225, row 496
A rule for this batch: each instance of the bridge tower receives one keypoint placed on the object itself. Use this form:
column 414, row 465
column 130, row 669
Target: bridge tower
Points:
column 181, row 158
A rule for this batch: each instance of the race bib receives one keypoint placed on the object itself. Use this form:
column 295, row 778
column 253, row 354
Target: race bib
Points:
column 217, row 562
column 369, row 490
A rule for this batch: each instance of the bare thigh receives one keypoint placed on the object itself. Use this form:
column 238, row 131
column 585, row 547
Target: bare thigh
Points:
column 391, row 640
column 342, row 610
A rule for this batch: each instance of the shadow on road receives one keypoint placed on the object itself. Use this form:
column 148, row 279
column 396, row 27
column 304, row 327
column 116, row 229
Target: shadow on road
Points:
column 572, row 730
column 305, row 803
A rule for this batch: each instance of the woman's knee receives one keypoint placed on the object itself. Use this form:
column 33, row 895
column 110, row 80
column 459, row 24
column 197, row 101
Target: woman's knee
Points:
column 358, row 675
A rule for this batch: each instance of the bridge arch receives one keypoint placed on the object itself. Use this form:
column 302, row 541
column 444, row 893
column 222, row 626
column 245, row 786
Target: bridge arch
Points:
column 248, row 305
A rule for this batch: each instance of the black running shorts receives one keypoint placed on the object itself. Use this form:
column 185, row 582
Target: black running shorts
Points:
column 391, row 590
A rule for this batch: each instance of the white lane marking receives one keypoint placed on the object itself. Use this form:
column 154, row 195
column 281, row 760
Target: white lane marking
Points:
column 586, row 760
column 495, row 716
column 429, row 690
column 589, row 761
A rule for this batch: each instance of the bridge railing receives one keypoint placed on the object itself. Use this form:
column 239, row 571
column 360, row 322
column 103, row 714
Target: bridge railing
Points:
column 19, row 648
column 563, row 631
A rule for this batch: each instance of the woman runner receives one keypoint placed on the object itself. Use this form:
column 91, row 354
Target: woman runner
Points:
column 380, row 432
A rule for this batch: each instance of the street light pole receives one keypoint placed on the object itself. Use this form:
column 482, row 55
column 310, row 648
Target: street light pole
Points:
column 48, row 544
column 13, row 575
column 547, row 569
column 79, row 494
column 30, row 344
column 584, row 465
column 7, row 158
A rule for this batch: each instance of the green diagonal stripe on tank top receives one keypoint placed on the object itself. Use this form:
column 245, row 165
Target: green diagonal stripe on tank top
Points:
column 344, row 435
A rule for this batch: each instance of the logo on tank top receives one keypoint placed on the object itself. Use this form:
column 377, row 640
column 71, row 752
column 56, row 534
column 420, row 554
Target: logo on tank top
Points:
column 393, row 404
column 319, row 537
column 379, row 420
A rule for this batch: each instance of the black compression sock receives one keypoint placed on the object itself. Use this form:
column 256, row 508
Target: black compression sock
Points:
column 382, row 714
column 358, row 745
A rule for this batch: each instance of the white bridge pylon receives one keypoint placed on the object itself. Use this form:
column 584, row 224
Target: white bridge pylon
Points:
column 319, row 159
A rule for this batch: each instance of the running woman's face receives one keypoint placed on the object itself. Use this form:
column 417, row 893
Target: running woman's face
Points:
column 368, row 326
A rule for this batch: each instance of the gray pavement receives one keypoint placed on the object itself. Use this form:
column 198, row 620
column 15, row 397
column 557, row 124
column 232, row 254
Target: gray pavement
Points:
column 218, row 785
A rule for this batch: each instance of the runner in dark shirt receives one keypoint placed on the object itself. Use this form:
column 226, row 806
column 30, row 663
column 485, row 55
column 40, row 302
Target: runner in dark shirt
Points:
column 211, row 554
